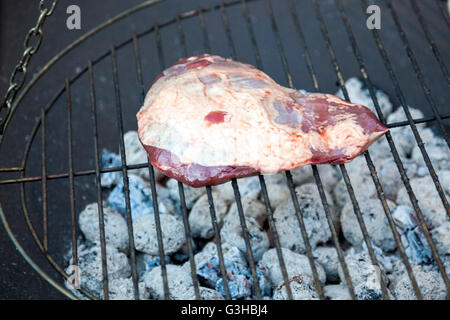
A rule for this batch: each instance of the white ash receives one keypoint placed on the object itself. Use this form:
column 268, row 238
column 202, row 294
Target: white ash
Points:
column 210, row 294
column 327, row 257
column 336, row 292
column 363, row 188
column 123, row 289
column 429, row 200
column 302, row 288
column 179, row 282
column 429, row 280
column 438, row 152
column 209, row 251
column 441, row 239
column 329, row 175
column 296, row 264
column 200, row 217
column 365, row 277
column 278, row 193
column 145, row 235
column 288, row 227
column 248, row 187
column 141, row 200
column 116, row 231
column 412, row 236
column 251, row 207
column 375, row 221
column 190, row 194
column 147, row 262
column 403, row 136
column 359, row 94
column 232, row 234
column 136, row 154
column 91, row 269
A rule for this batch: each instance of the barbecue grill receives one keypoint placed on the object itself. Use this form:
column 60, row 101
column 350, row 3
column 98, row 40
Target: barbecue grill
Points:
column 57, row 158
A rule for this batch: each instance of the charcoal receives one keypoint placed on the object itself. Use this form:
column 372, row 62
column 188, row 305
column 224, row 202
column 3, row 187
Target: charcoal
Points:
column 327, row 257
column 403, row 136
column 296, row 264
column 302, row 288
column 251, row 207
column 441, row 238
column 328, row 174
column 123, row 289
column 248, row 187
column 429, row 200
column 145, row 235
column 375, row 221
column 141, row 202
column 278, row 193
column 110, row 160
column 136, row 154
column 288, row 227
column 359, row 93
column 91, row 270
column 238, row 285
column 116, row 231
column 240, row 280
column 430, row 282
column 365, row 277
column 232, row 234
column 190, row 194
column 413, row 238
column 336, row 292
column 179, row 281
column 210, row 294
column 147, row 262
column 200, row 217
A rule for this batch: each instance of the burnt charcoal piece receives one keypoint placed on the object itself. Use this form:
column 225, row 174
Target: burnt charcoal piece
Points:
column 208, row 119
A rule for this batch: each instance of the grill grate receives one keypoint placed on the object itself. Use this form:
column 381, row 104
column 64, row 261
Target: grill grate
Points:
column 124, row 168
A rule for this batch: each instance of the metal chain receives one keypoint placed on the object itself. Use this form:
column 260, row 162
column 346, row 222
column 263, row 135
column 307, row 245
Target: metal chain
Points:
column 32, row 42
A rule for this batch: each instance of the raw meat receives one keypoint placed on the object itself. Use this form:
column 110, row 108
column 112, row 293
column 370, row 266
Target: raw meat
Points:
column 208, row 119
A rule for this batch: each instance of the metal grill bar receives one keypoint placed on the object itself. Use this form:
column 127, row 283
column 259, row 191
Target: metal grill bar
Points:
column 301, row 222
column 319, row 184
column 71, row 178
column 290, row 183
column 126, row 186
column 187, row 228
column 101, row 217
column 402, row 100
column 399, row 93
column 262, row 182
column 419, row 75
column 393, row 150
column 234, row 183
column 347, row 181
column 212, row 210
column 218, row 238
column 189, row 240
column 431, row 41
column 152, row 181
column 246, row 236
column 444, row 12
column 44, row 181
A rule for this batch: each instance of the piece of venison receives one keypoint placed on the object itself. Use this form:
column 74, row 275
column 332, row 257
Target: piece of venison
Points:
column 208, row 119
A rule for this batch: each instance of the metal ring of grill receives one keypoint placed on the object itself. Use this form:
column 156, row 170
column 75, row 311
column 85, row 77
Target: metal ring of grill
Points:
column 124, row 168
